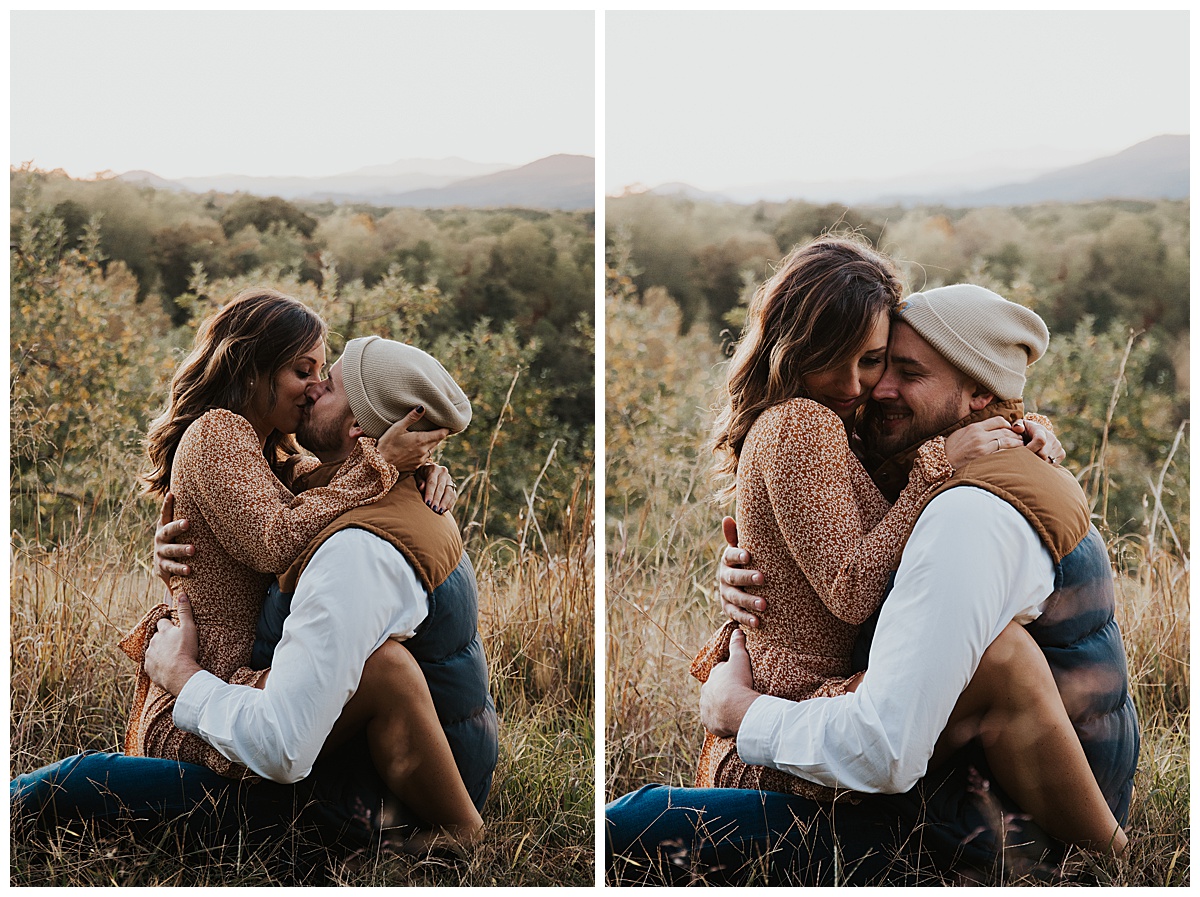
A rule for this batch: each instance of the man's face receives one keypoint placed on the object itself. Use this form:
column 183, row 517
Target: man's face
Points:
column 326, row 425
column 919, row 395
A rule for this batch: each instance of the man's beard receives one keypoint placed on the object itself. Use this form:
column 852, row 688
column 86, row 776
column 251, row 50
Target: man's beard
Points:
column 918, row 428
column 317, row 438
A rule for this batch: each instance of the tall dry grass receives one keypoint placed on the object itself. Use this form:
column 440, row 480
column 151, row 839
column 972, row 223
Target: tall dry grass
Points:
column 71, row 690
column 664, row 541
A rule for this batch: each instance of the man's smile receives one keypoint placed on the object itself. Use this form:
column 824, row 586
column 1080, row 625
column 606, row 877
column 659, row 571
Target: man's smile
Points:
column 892, row 415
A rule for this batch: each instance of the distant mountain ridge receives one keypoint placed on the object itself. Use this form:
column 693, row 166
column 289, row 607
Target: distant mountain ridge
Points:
column 555, row 182
column 451, row 167
column 1157, row 168
column 558, row 182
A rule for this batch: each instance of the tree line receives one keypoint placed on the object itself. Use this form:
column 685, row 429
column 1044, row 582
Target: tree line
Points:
column 533, row 268
column 108, row 281
column 1110, row 278
column 1115, row 262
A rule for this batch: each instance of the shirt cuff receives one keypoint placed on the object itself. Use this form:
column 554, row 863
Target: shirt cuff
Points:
column 758, row 733
column 192, row 698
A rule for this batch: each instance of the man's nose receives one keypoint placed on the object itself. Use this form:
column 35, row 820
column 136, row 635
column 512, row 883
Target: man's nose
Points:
column 885, row 388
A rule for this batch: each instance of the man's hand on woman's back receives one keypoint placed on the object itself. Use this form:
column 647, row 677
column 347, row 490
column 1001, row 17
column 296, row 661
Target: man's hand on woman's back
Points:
column 168, row 556
column 732, row 577
column 173, row 652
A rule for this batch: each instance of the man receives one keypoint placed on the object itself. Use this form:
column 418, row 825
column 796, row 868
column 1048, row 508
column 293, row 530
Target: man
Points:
column 391, row 570
column 1007, row 539
column 374, row 574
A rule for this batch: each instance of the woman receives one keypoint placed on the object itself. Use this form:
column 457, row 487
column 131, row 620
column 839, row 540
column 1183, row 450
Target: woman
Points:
column 224, row 449
column 823, row 534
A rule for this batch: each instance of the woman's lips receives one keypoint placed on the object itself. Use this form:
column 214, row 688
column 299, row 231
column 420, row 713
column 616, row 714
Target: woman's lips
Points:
column 843, row 404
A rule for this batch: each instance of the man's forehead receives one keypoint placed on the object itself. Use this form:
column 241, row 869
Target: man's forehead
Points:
column 908, row 346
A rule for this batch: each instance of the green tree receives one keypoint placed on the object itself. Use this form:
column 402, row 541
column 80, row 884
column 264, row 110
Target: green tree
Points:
column 520, row 456
column 1117, row 423
column 263, row 212
column 659, row 387
column 279, row 247
column 87, row 367
column 176, row 249
column 802, row 221
column 723, row 270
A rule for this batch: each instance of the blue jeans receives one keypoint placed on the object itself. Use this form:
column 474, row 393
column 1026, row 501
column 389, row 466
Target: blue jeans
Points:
column 109, row 792
column 954, row 822
column 734, row 836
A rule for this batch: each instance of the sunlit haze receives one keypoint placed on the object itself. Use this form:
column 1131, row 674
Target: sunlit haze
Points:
column 723, row 99
column 297, row 93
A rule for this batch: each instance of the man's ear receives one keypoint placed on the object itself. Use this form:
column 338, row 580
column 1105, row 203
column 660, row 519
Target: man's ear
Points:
column 980, row 397
column 355, row 430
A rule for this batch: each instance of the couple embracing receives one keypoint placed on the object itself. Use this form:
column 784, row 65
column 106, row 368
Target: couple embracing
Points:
column 921, row 661
column 319, row 663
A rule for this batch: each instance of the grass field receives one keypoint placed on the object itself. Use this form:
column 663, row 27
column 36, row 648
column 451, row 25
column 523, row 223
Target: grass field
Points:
column 71, row 689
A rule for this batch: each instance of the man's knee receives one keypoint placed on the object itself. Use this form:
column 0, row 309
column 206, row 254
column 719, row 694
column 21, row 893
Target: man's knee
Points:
column 392, row 667
column 394, row 692
column 1018, row 678
column 1014, row 664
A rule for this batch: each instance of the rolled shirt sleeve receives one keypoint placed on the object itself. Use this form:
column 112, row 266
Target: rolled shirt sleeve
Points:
column 356, row 592
column 972, row 565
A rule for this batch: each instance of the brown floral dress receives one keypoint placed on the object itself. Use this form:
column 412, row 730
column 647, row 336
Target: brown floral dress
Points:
column 826, row 541
column 246, row 526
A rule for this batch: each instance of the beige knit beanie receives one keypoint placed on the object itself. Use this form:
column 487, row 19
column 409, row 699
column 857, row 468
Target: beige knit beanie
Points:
column 384, row 380
column 985, row 336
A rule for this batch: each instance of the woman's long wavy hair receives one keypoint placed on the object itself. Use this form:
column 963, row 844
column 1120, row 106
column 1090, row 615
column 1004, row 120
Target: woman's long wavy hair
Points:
column 256, row 335
column 814, row 314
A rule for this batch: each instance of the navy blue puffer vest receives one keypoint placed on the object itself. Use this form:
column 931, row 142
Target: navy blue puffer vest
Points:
column 1080, row 638
column 447, row 646
column 1077, row 630
column 1082, row 644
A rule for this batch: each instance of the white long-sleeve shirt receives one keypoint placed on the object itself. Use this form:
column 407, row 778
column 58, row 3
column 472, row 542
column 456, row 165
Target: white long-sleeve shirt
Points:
column 356, row 592
column 972, row 565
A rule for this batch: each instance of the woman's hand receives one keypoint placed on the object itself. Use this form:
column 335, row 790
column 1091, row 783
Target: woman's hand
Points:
column 166, row 552
column 406, row 450
column 437, row 486
column 979, row 439
column 1041, row 439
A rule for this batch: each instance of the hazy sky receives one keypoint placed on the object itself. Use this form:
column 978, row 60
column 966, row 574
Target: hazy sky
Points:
column 297, row 93
column 725, row 99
